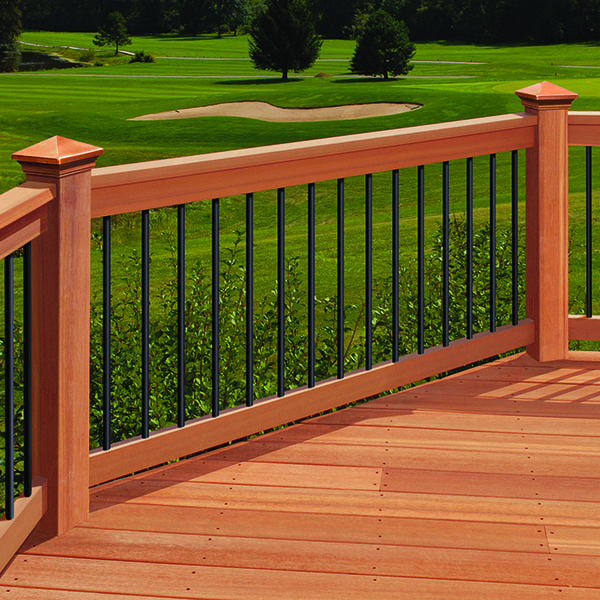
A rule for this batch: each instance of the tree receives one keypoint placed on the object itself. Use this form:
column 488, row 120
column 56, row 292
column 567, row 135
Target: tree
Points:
column 231, row 13
column 334, row 18
column 10, row 24
column 283, row 38
column 113, row 32
column 383, row 47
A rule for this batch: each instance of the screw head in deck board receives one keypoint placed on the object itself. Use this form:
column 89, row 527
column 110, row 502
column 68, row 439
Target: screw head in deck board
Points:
column 546, row 95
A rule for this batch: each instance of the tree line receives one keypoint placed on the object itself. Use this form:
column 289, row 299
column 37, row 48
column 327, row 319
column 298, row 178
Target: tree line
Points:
column 487, row 21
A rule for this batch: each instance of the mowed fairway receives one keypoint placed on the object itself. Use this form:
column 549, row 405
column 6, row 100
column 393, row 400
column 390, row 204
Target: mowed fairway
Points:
column 450, row 81
column 93, row 104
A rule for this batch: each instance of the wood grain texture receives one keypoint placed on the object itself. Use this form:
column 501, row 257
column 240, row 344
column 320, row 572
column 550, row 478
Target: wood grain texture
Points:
column 27, row 514
column 547, row 219
column 583, row 328
column 206, row 582
column 23, row 231
column 60, row 265
column 23, row 200
column 309, row 526
column 485, row 483
column 584, row 128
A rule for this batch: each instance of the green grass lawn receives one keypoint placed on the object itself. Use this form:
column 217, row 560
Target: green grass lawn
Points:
column 94, row 104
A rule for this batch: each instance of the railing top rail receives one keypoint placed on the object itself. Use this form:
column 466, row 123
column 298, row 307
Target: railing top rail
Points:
column 23, row 200
column 584, row 128
column 23, row 214
column 167, row 182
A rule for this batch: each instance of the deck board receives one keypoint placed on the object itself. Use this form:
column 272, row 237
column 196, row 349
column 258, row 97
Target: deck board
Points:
column 483, row 484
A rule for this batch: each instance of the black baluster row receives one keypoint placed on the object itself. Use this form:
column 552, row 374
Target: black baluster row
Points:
column 588, row 231
column 27, row 373
column 469, row 209
column 9, row 387
column 421, row 259
column 515, row 235
column 446, row 253
column 145, row 324
column 215, row 308
column 280, row 292
column 106, row 334
column 281, row 273
column 181, row 315
column 469, row 249
column 395, row 265
column 249, row 299
column 340, row 278
column 311, row 286
column 492, row 242
column 9, row 382
column 368, row 272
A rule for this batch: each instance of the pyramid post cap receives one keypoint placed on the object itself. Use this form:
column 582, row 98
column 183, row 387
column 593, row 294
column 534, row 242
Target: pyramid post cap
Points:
column 58, row 150
column 546, row 92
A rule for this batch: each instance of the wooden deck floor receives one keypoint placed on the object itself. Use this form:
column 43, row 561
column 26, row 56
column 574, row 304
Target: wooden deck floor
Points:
column 485, row 485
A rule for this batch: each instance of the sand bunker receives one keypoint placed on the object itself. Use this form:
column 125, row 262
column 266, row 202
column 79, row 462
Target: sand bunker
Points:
column 268, row 112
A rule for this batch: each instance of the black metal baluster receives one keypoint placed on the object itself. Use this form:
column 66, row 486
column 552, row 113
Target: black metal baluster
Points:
column 492, row 242
column 395, row 265
column 340, row 278
column 588, row 231
column 469, row 248
column 311, row 285
column 421, row 258
column 215, row 308
column 145, row 323
column 446, row 253
column 106, row 333
column 9, row 406
column 181, row 315
column 368, row 272
column 515, row 236
column 249, row 299
column 280, row 292
column 27, row 414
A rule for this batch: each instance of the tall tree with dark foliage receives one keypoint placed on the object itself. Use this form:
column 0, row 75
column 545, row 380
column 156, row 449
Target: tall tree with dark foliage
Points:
column 383, row 47
column 283, row 38
column 10, row 24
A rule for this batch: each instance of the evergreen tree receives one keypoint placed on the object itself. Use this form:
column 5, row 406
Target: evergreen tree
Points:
column 10, row 24
column 383, row 47
column 283, row 38
column 113, row 32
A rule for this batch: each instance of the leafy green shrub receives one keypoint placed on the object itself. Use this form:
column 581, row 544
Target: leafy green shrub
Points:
column 19, row 429
column 87, row 56
column 142, row 57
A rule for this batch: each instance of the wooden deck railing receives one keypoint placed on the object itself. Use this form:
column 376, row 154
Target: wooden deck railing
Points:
column 584, row 130
column 63, row 192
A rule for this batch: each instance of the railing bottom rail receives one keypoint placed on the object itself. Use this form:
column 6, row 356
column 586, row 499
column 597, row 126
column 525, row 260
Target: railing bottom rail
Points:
column 28, row 512
column 236, row 423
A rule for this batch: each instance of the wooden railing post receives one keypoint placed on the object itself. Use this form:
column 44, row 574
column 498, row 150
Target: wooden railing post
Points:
column 60, row 329
column 547, row 220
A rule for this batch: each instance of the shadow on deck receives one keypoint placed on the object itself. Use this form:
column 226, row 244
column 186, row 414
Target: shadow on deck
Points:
column 482, row 485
